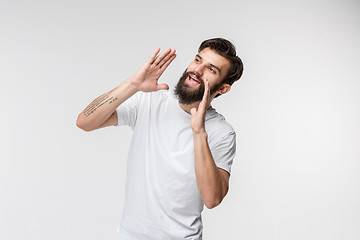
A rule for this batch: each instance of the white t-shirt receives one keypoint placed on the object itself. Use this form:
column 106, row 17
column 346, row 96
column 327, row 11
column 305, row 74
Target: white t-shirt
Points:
column 162, row 200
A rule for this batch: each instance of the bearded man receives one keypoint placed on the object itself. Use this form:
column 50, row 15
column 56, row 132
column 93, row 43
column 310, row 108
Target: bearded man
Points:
column 182, row 149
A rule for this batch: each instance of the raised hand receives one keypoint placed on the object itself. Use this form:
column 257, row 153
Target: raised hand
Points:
column 198, row 115
column 146, row 78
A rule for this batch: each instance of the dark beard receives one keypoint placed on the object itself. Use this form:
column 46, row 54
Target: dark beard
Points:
column 185, row 94
column 188, row 96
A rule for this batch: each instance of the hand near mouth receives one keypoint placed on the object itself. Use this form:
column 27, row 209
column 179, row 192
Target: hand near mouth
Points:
column 146, row 78
column 198, row 115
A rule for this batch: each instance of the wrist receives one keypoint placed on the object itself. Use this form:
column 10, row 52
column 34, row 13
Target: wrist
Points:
column 200, row 133
column 131, row 85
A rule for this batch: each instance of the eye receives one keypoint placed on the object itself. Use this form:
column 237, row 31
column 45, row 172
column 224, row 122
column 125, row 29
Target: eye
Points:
column 197, row 60
column 212, row 70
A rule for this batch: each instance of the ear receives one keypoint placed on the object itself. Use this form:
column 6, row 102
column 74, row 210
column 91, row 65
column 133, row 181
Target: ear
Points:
column 224, row 88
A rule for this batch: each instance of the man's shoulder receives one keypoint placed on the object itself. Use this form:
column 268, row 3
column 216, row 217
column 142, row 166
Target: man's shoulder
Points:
column 161, row 94
column 215, row 119
column 155, row 102
column 152, row 97
column 217, row 126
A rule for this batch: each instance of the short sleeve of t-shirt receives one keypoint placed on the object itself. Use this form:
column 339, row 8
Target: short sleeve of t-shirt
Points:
column 224, row 152
column 128, row 110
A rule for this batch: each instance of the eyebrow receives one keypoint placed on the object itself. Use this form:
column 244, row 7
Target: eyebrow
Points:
column 214, row 66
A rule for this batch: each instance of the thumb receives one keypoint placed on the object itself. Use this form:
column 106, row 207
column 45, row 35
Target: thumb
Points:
column 162, row 86
column 193, row 111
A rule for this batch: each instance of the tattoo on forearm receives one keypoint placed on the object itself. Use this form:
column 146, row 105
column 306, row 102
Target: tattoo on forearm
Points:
column 97, row 103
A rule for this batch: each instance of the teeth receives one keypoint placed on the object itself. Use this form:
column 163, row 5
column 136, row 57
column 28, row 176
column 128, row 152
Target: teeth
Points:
column 194, row 79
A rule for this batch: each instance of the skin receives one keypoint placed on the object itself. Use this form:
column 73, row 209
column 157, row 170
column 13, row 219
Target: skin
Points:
column 212, row 68
column 212, row 181
column 100, row 113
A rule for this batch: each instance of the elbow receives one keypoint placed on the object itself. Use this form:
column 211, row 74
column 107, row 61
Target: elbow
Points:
column 212, row 203
column 80, row 124
column 213, row 199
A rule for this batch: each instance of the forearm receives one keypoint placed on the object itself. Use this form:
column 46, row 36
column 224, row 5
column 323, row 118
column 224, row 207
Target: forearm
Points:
column 99, row 110
column 211, row 183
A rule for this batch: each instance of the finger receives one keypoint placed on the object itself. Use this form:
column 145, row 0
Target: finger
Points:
column 153, row 56
column 162, row 86
column 206, row 91
column 163, row 67
column 205, row 98
column 166, row 58
column 162, row 56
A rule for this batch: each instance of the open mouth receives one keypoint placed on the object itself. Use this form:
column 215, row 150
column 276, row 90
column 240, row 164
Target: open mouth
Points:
column 192, row 80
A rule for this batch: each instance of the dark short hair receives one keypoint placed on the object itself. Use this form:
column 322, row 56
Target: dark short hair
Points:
column 226, row 49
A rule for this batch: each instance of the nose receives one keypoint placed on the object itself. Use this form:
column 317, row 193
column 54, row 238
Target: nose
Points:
column 199, row 69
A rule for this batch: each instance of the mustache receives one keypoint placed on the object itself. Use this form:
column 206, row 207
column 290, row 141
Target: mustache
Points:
column 196, row 75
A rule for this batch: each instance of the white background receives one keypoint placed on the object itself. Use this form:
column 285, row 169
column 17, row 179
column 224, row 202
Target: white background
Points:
column 296, row 111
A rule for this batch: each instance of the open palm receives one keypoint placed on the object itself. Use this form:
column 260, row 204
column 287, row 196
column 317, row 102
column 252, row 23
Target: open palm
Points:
column 146, row 78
